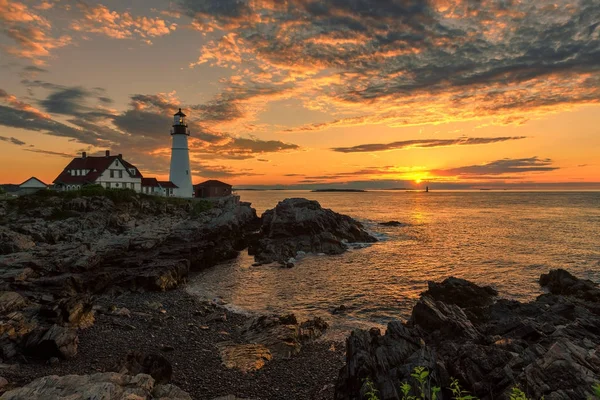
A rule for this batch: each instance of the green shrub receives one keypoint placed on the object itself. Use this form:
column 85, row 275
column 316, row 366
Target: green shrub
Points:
column 120, row 195
column 92, row 190
column 201, row 206
column 371, row 391
column 596, row 390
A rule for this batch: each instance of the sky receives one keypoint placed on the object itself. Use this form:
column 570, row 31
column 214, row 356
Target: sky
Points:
column 308, row 94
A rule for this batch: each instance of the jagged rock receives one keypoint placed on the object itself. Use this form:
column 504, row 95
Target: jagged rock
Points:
column 11, row 301
column 246, row 357
column 13, row 242
column 392, row 223
column 282, row 335
column 58, row 341
column 92, row 245
column 548, row 347
column 300, row 225
column 559, row 281
column 154, row 365
column 461, row 292
column 108, row 385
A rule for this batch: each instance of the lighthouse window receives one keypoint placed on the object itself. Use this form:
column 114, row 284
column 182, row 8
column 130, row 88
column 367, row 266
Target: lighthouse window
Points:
column 187, row 172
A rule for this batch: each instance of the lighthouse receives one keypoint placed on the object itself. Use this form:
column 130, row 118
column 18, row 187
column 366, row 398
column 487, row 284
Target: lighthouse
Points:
column 180, row 173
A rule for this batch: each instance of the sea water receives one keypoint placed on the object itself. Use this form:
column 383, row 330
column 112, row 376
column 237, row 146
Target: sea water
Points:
column 504, row 239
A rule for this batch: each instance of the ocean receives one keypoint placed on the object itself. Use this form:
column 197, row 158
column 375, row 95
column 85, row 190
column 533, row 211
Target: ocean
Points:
column 505, row 239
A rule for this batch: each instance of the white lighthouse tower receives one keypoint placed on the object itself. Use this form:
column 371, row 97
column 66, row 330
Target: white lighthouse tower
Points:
column 180, row 173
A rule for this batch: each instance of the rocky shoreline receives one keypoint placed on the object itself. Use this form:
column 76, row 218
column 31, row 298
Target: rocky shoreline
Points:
column 94, row 286
column 177, row 326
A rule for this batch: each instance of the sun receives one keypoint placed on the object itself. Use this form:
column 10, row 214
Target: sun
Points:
column 418, row 181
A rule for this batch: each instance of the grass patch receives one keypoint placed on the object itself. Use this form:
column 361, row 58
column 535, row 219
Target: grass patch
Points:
column 201, row 206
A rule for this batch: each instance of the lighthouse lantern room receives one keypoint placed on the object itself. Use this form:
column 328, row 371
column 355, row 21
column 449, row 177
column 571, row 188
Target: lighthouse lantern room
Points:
column 180, row 172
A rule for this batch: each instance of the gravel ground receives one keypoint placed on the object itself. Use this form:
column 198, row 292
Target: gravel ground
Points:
column 159, row 320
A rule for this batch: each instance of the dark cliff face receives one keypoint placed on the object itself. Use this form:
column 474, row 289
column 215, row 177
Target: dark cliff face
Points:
column 56, row 251
column 303, row 225
column 457, row 329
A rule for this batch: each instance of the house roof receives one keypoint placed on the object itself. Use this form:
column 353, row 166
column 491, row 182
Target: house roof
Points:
column 34, row 178
column 212, row 182
column 168, row 184
column 96, row 165
column 151, row 182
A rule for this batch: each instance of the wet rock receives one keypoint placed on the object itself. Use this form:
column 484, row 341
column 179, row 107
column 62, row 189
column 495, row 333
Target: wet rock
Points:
column 300, row 225
column 459, row 329
column 392, row 223
column 108, row 385
column 559, row 281
column 461, row 292
column 282, row 335
column 244, row 357
column 154, row 365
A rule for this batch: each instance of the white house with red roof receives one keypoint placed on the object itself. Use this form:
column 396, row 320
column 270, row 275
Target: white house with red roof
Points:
column 112, row 172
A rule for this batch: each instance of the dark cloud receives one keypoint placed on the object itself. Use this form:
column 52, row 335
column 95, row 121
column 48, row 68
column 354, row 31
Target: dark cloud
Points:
column 144, row 123
column 424, row 143
column 31, row 121
column 498, row 167
column 477, row 58
column 219, row 110
column 12, row 140
column 68, row 101
column 33, row 68
column 52, row 153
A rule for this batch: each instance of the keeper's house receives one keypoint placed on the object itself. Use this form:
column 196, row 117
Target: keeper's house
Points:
column 111, row 172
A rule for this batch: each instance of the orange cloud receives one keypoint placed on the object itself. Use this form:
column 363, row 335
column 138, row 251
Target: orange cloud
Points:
column 101, row 20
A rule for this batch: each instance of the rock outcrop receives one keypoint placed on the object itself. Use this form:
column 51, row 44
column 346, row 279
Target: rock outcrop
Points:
column 108, row 385
column 301, row 225
column 270, row 337
column 548, row 347
column 56, row 251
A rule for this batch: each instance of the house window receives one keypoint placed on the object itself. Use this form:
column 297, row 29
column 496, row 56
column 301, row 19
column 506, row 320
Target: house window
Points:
column 120, row 173
column 108, row 185
column 112, row 173
column 132, row 185
column 132, row 170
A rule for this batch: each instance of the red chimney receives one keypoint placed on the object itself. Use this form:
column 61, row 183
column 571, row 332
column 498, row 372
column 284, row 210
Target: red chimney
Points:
column 83, row 155
column 107, row 153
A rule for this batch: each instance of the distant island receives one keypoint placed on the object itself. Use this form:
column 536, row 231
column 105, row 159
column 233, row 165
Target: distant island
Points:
column 338, row 190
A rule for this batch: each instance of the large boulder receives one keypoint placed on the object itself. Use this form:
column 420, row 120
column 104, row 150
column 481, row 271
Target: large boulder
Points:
column 559, row 281
column 301, row 225
column 108, row 385
column 549, row 346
